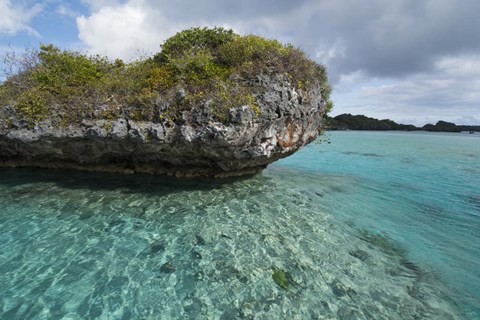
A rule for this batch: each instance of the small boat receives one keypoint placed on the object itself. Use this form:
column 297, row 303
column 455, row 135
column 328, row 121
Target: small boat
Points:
column 471, row 132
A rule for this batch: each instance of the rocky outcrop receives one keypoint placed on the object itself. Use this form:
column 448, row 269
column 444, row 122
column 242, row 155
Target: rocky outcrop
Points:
column 195, row 146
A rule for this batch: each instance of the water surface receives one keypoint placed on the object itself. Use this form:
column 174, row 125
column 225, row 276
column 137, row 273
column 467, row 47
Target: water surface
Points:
column 371, row 226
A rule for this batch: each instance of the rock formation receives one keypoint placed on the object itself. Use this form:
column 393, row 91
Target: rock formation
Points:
column 197, row 145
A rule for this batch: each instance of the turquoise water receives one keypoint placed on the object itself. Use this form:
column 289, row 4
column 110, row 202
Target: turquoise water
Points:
column 371, row 226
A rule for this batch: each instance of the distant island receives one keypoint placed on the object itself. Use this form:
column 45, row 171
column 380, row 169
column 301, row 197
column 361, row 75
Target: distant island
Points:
column 348, row 121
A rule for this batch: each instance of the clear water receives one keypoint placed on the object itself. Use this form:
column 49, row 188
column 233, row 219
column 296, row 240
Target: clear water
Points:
column 371, row 226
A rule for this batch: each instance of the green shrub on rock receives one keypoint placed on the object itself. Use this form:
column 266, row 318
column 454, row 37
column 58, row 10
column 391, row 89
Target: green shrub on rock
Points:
column 62, row 73
column 194, row 39
column 32, row 107
column 212, row 68
column 197, row 66
column 251, row 48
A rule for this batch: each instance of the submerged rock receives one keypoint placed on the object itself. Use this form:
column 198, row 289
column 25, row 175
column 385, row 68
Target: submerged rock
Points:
column 287, row 119
column 339, row 288
column 196, row 255
column 156, row 248
column 167, row 267
column 199, row 240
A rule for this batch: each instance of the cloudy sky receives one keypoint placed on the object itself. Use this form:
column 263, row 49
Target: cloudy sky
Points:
column 413, row 61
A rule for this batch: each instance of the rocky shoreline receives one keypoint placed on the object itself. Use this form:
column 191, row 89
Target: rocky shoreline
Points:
column 197, row 145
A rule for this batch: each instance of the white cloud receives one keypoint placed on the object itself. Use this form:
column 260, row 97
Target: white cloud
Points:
column 450, row 92
column 405, row 60
column 325, row 54
column 460, row 66
column 98, row 4
column 65, row 10
column 121, row 31
column 454, row 82
column 16, row 18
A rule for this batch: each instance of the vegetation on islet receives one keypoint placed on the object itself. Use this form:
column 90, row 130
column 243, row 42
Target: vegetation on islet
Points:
column 211, row 68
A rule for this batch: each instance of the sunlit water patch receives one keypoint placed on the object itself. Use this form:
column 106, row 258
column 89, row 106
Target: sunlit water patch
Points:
column 349, row 230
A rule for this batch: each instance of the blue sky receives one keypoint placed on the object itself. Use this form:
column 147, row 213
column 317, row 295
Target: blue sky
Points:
column 407, row 60
column 50, row 22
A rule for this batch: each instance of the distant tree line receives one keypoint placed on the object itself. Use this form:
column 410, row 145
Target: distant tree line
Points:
column 348, row 121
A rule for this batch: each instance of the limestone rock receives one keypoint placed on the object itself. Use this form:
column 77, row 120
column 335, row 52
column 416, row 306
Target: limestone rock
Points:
column 196, row 146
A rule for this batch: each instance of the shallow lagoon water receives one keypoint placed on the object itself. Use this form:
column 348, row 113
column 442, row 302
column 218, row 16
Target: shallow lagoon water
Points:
column 371, row 226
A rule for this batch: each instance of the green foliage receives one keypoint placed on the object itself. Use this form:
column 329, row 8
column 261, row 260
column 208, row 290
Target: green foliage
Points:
column 63, row 80
column 329, row 106
column 32, row 106
column 227, row 95
column 107, row 126
column 250, row 48
column 469, row 128
column 361, row 122
column 213, row 67
column 191, row 55
column 193, row 40
column 62, row 73
column 4, row 96
column 160, row 77
column 126, row 84
column 196, row 67
column 442, row 126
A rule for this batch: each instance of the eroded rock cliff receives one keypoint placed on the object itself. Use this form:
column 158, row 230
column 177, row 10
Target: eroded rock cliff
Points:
column 197, row 145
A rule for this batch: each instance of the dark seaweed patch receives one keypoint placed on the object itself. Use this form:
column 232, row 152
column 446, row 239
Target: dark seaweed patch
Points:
column 360, row 254
column 366, row 154
column 382, row 242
